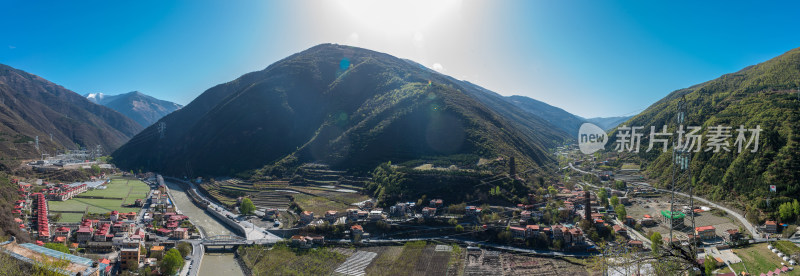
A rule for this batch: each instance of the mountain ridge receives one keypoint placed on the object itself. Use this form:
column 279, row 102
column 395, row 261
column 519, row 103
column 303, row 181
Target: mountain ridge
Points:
column 341, row 105
column 142, row 108
column 33, row 106
column 765, row 95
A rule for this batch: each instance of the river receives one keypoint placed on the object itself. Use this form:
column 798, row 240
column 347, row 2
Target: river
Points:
column 213, row 263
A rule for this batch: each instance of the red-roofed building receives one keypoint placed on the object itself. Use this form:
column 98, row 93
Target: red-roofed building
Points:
column 307, row 216
column 84, row 234
column 108, row 266
column 518, row 232
column 575, row 236
column 428, row 212
column 180, row 233
column 630, row 221
column 532, row 230
column 164, row 231
column 636, row 244
column 771, row 227
column 356, row 229
column 331, row 215
column 525, row 215
column 620, row 230
column 62, row 231
column 705, row 232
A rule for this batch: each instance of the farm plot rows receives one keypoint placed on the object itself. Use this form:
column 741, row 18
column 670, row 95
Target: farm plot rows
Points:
column 282, row 260
column 414, row 258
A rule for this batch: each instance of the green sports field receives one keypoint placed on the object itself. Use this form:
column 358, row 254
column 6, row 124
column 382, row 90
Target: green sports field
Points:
column 126, row 189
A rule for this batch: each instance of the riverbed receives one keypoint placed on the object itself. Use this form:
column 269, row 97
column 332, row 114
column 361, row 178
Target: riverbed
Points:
column 213, row 263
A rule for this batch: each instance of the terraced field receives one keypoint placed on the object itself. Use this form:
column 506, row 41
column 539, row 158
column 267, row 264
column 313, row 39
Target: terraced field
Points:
column 318, row 205
column 121, row 191
column 272, row 199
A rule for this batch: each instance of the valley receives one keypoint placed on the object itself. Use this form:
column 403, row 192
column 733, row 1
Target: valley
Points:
column 353, row 138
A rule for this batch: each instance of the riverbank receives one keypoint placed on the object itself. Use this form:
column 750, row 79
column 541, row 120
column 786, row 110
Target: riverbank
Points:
column 212, row 264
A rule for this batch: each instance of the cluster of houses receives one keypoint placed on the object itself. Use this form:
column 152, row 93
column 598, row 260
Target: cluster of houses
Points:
column 572, row 236
column 42, row 222
column 170, row 225
column 307, row 241
column 368, row 212
column 63, row 192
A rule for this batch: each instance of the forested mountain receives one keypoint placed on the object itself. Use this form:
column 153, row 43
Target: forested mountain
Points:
column 143, row 109
column 562, row 119
column 348, row 107
column 763, row 95
column 31, row 106
column 556, row 116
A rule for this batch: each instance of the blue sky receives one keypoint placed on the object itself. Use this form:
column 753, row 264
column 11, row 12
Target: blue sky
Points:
column 592, row 58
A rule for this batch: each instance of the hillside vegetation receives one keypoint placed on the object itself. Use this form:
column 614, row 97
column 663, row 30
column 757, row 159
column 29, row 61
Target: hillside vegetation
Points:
column 31, row 106
column 762, row 95
column 347, row 107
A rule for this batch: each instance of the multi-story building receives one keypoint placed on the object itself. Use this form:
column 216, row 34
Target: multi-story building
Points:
column 705, row 232
column 771, row 227
column 129, row 256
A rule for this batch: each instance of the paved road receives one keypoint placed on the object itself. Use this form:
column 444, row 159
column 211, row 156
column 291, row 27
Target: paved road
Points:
column 252, row 231
column 638, row 236
column 749, row 226
column 484, row 245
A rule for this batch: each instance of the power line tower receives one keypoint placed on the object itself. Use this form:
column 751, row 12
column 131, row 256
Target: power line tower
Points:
column 681, row 156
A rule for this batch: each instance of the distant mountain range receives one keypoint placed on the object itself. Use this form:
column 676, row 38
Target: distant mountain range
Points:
column 142, row 108
column 564, row 120
column 348, row 107
column 764, row 95
column 608, row 123
column 31, row 106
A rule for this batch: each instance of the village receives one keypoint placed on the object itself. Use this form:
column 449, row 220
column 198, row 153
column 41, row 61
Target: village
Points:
column 593, row 209
column 121, row 240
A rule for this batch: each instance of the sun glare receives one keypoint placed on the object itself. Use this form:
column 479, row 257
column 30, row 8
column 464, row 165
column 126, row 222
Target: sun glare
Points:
column 398, row 17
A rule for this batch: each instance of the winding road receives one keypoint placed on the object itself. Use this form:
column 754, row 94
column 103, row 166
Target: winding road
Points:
column 749, row 226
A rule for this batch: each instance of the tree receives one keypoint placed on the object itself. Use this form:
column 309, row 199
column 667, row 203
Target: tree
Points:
column 786, row 211
column 172, row 262
column 247, row 207
column 602, row 195
column 614, row 201
column 96, row 169
column 452, row 221
column 185, row 248
column 552, row 190
column 796, row 207
column 710, row 264
column 133, row 265
column 388, row 184
column 459, row 228
column 621, row 212
column 57, row 247
column 656, row 242
column 619, row 185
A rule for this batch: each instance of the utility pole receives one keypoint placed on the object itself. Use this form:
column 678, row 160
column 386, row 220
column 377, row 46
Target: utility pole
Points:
column 680, row 170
